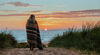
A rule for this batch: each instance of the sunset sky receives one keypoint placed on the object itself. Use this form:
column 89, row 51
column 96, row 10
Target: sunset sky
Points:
column 50, row 14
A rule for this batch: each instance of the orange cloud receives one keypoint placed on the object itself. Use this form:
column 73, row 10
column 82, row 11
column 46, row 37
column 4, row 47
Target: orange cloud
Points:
column 49, row 20
column 19, row 4
column 59, row 14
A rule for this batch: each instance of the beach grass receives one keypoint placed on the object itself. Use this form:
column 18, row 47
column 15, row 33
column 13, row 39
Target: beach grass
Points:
column 86, row 39
column 23, row 45
column 7, row 40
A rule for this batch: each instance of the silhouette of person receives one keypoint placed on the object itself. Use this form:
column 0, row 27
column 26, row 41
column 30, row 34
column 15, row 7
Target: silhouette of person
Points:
column 33, row 33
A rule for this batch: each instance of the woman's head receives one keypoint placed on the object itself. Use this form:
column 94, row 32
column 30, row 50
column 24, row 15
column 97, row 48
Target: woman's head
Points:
column 32, row 16
column 31, row 19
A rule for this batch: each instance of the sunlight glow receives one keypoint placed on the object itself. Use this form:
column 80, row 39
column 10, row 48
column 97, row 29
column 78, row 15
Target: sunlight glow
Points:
column 45, row 29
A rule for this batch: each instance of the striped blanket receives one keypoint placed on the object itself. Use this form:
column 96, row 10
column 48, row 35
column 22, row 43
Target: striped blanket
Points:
column 33, row 33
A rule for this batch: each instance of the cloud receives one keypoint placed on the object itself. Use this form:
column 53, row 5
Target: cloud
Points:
column 19, row 4
column 60, row 6
column 77, row 14
column 13, row 12
column 61, row 14
column 16, row 15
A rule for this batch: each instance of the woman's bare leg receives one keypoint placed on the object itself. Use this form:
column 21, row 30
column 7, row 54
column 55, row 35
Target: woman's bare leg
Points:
column 31, row 47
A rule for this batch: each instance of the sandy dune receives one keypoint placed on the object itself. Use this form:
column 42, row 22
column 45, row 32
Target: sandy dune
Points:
column 46, row 51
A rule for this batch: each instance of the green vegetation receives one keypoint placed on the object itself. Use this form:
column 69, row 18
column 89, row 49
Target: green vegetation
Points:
column 87, row 39
column 7, row 40
column 23, row 45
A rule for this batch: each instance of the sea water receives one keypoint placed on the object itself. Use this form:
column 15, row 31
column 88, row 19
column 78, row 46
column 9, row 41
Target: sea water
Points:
column 46, row 36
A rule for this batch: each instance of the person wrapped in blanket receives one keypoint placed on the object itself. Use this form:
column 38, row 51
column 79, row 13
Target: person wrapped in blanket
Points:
column 33, row 33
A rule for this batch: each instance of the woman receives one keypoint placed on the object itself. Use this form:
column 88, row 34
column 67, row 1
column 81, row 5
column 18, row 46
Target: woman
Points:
column 33, row 33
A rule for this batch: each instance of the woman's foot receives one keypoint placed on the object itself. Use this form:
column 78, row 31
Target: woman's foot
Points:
column 40, row 47
column 31, row 47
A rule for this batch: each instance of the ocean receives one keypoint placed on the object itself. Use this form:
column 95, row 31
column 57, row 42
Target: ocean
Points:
column 46, row 36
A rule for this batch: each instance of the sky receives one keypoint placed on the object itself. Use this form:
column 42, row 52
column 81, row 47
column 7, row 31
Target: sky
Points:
column 50, row 14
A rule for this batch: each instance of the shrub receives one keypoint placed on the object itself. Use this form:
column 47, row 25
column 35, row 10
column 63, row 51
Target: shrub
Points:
column 23, row 45
column 7, row 40
column 86, row 39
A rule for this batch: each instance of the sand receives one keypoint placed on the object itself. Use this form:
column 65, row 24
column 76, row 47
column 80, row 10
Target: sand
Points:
column 46, row 51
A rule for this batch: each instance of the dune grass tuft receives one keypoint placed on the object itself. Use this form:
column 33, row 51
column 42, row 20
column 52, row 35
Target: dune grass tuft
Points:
column 86, row 39
column 7, row 40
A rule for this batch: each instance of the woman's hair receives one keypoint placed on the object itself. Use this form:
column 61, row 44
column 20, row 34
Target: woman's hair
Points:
column 31, row 19
column 32, row 16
